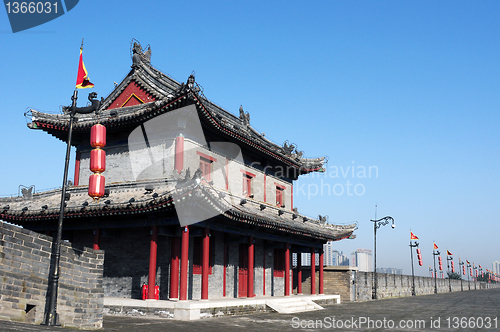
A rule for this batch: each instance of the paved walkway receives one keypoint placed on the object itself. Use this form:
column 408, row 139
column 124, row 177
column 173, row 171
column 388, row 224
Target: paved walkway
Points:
column 460, row 311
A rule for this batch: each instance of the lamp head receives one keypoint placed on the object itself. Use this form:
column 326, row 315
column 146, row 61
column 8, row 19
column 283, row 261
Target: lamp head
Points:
column 393, row 226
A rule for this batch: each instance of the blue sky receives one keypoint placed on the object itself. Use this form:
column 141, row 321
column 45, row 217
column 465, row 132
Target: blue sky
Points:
column 410, row 89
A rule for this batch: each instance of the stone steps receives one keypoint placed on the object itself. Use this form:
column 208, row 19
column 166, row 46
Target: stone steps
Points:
column 292, row 305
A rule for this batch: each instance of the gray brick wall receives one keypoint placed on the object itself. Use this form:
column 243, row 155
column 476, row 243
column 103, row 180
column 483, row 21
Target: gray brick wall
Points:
column 24, row 268
column 339, row 282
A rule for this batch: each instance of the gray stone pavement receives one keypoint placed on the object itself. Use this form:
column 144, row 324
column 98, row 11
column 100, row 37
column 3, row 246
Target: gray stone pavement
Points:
column 461, row 311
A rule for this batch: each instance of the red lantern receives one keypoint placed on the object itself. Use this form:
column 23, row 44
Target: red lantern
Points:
column 463, row 269
column 452, row 267
column 419, row 251
column 98, row 136
column 96, row 186
column 97, row 160
column 440, row 263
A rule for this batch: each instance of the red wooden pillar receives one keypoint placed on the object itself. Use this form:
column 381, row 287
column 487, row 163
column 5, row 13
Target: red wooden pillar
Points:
column 250, row 266
column 321, row 271
column 225, row 269
column 174, row 268
column 264, row 264
column 313, row 271
column 205, row 264
column 287, row 269
column 184, row 263
column 76, row 180
column 152, row 262
column 97, row 239
column 299, row 273
column 179, row 153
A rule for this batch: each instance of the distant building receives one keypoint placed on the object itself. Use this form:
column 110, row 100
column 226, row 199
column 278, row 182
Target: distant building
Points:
column 363, row 259
column 331, row 257
column 389, row 270
column 328, row 254
column 340, row 258
column 495, row 267
column 306, row 259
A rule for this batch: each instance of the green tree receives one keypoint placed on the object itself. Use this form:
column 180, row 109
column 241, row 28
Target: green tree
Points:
column 454, row 275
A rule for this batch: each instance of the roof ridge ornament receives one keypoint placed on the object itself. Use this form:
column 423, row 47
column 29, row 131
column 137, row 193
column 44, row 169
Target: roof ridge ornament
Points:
column 139, row 55
column 245, row 117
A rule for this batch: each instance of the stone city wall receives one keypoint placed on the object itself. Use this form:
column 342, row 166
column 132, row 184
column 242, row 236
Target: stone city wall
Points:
column 24, row 271
column 353, row 285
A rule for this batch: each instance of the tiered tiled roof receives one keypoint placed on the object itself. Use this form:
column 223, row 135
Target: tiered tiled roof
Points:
column 167, row 95
column 164, row 196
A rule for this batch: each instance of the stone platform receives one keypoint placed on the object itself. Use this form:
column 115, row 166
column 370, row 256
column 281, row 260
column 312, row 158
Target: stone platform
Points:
column 198, row 309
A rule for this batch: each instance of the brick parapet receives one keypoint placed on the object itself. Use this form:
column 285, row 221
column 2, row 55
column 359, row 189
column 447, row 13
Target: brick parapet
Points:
column 24, row 269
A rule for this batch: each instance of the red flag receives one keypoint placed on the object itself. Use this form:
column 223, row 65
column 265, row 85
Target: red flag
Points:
column 448, row 253
column 82, row 80
column 467, row 262
column 435, row 246
column 413, row 236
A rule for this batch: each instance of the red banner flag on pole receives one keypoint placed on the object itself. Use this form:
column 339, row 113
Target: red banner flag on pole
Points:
column 435, row 245
column 82, row 80
column 449, row 253
column 413, row 236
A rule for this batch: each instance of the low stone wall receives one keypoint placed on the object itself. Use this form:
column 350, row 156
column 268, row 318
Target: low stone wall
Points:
column 353, row 285
column 395, row 285
column 24, row 271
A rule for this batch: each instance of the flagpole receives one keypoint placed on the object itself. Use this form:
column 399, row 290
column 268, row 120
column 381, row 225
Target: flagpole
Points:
column 413, row 293
column 434, row 253
column 448, row 259
column 52, row 318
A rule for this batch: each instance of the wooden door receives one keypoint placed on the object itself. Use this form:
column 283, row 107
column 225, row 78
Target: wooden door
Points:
column 243, row 271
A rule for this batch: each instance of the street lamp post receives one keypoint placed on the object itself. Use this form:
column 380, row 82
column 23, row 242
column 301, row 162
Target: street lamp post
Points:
column 474, row 274
column 376, row 225
column 415, row 245
column 435, row 253
column 460, row 264
column 51, row 316
column 448, row 259
column 468, row 273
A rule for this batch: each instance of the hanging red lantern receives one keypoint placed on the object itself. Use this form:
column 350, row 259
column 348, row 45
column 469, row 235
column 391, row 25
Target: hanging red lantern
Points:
column 96, row 186
column 452, row 267
column 98, row 136
column 97, row 160
column 419, row 251
column 440, row 263
column 463, row 269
